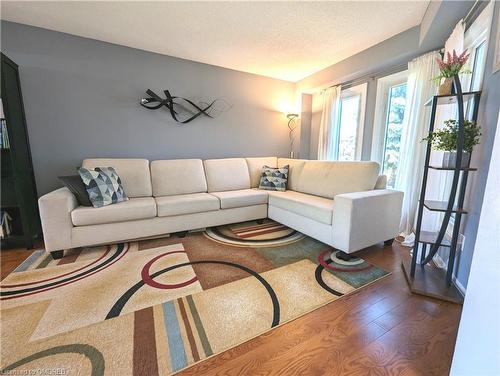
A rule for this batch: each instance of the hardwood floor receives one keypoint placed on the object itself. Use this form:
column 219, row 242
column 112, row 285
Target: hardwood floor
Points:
column 11, row 258
column 381, row 329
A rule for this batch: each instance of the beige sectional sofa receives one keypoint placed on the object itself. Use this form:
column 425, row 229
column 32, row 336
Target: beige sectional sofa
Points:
column 343, row 204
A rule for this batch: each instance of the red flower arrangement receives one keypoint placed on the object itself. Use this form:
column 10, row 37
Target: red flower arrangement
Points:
column 453, row 65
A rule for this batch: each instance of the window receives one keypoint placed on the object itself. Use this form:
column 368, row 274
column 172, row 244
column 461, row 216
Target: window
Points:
column 352, row 118
column 476, row 42
column 393, row 127
column 388, row 126
column 478, row 67
column 349, row 116
column 477, row 59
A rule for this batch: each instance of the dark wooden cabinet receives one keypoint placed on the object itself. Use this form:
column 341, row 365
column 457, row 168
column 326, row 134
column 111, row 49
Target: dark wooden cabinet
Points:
column 18, row 189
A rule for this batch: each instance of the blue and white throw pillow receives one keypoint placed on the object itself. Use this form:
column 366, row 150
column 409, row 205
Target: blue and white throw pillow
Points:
column 103, row 186
column 274, row 179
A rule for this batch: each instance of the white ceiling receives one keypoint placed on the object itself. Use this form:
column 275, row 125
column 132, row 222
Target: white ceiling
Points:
column 286, row 40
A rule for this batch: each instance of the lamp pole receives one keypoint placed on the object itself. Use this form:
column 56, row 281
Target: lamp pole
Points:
column 291, row 127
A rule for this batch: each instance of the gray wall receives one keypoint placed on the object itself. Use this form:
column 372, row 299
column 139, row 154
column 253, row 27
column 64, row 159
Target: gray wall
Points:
column 393, row 51
column 82, row 100
column 440, row 19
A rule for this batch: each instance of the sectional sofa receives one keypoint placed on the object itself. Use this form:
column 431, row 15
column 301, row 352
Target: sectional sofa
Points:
column 343, row 204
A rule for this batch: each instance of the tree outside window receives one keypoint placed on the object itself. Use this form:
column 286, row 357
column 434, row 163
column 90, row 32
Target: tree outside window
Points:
column 394, row 125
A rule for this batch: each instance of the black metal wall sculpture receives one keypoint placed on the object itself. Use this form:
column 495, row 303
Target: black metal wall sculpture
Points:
column 178, row 106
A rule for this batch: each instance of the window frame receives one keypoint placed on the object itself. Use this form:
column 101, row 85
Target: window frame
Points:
column 473, row 76
column 384, row 85
column 361, row 91
column 477, row 34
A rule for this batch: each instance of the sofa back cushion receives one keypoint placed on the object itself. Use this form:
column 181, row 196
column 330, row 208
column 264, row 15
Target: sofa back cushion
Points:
column 295, row 167
column 134, row 174
column 178, row 177
column 255, row 168
column 227, row 174
column 381, row 182
column 328, row 179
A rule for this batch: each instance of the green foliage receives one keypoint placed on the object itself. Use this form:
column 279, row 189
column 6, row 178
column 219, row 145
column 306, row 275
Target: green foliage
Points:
column 445, row 139
column 450, row 73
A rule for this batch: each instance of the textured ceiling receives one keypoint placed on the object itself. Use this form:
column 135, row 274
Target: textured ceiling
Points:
column 286, row 40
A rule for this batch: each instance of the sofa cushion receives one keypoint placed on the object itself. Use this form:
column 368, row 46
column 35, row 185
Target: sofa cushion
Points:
column 295, row 167
column 381, row 182
column 227, row 174
column 274, row 178
column 186, row 204
column 177, row 177
column 255, row 168
column 134, row 174
column 328, row 178
column 240, row 198
column 75, row 184
column 103, row 186
column 133, row 209
column 317, row 208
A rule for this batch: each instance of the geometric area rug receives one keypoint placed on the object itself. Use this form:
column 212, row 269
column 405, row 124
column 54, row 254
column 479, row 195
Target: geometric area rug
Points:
column 154, row 307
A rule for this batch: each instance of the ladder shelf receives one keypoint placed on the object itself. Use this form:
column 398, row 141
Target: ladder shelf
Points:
column 423, row 277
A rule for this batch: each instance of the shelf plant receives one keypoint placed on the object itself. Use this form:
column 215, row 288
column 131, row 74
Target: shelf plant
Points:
column 453, row 65
column 445, row 139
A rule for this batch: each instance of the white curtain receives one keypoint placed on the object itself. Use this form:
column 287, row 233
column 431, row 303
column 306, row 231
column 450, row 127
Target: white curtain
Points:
column 456, row 40
column 328, row 128
column 415, row 127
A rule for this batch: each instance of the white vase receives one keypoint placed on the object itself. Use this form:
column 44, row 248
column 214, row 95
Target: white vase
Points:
column 450, row 159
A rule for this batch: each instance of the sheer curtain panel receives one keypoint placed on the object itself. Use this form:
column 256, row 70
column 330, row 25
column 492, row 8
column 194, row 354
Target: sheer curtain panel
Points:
column 416, row 122
column 329, row 125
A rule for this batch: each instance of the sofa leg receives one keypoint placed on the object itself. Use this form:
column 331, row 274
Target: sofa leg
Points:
column 181, row 234
column 345, row 256
column 389, row 241
column 56, row 255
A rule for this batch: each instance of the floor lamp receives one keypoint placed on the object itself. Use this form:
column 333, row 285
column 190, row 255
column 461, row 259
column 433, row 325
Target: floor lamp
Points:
column 291, row 127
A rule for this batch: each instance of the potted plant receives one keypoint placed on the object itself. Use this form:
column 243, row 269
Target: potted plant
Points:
column 445, row 139
column 453, row 65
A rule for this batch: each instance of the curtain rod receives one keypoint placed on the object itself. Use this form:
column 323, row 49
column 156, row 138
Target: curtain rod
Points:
column 371, row 76
column 470, row 12
column 474, row 12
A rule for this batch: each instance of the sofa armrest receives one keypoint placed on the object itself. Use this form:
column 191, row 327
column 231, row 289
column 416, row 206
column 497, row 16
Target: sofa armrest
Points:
column 55, row 213
column 361, row 219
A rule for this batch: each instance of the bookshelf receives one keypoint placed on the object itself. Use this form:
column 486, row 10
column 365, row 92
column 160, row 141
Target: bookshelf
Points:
column 18, row 197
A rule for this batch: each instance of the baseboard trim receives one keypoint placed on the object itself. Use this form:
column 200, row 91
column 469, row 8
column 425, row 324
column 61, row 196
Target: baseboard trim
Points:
column 441, row 264
column 458, row 285
column 439, row 261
